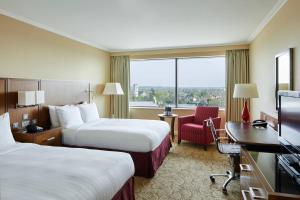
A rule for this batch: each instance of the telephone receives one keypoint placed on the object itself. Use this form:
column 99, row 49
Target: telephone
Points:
column 259, row 123
column 32, row 128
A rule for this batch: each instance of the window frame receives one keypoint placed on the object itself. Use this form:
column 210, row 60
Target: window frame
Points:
column 176, row 76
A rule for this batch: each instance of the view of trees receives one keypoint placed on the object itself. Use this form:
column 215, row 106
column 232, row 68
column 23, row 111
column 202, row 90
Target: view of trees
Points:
column 187, row 97
column 200, row 81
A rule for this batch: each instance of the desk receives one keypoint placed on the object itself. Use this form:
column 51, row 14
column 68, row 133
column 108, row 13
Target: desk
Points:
column 253, row 138
column 173, row 117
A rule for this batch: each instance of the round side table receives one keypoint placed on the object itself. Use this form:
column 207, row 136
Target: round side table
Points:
column 162, row 117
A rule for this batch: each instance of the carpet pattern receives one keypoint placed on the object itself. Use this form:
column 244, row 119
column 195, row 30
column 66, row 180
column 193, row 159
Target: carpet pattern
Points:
column 185, row 175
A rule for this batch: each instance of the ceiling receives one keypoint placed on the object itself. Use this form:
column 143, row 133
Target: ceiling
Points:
column 127, row 25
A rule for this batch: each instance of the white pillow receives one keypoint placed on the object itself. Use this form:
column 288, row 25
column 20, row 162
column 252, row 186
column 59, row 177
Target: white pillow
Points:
column 69, row 116
column 53, row 116
column 6, row 137
column 88, row 112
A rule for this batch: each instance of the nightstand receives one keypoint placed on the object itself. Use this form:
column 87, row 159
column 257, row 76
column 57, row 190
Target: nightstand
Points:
column 173, row 117
column 51, row 137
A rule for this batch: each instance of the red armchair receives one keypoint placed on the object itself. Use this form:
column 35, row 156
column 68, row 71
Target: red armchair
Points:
column 193, row 127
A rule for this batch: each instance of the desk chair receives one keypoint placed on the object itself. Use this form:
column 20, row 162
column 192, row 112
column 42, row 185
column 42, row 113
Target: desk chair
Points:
column 233, row 152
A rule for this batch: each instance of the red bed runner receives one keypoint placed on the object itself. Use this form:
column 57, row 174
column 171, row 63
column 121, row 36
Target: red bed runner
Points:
column 146, row 164
column 126, row 192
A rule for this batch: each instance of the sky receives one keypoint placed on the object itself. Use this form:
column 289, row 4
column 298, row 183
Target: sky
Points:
column 192, row 72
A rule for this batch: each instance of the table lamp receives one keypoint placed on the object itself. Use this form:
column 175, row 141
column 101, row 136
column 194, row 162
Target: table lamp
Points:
column 245, row 91
column 113, row 89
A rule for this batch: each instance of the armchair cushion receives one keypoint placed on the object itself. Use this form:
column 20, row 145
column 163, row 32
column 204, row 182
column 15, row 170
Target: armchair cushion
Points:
column 192, row 128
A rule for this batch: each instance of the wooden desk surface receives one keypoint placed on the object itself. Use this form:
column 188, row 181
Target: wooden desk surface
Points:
column 245, row 134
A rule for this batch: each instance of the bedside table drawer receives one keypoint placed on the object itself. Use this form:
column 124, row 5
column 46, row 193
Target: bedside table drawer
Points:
column 49, row 137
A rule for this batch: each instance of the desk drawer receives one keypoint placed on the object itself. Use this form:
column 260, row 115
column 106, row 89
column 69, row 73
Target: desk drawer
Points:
column 251, row 185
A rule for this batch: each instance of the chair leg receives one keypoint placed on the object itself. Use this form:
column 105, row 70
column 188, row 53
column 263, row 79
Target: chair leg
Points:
column 179, row 141
column 231, row 176
column 205, row 147
column 227, row 182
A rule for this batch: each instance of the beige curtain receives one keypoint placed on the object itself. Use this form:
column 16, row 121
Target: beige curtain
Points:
column 237, row 71
column 120, row 73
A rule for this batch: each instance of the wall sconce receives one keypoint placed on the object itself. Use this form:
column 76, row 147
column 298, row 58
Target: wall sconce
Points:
column 30, row 98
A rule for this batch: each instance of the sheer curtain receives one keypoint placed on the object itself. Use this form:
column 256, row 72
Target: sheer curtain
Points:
column 237, row 71
column 120, row 73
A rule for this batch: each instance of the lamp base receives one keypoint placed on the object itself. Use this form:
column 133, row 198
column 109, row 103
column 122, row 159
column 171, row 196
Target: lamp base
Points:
column 245, row 113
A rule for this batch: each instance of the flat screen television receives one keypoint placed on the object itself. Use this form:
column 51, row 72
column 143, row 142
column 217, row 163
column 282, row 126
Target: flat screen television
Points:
column 289, row 120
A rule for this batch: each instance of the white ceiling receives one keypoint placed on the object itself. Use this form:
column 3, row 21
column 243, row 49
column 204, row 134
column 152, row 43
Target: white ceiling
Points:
column 123, row 25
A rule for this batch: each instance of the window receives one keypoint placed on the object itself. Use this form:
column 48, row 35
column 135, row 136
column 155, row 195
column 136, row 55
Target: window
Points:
column 201, row 81
column 179, row 82
column 152, row 83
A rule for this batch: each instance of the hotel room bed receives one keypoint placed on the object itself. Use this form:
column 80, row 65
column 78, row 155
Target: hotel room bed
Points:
column 30, row 171
column 147, row 141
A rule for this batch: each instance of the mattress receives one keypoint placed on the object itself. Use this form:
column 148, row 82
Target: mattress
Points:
column 133, row 135
column 30, row 171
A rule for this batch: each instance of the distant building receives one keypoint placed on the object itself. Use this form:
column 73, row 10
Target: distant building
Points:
column 143, row 94
column 135, row 91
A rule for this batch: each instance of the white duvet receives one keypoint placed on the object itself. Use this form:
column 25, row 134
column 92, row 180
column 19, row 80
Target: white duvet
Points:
column 121, row 134
column 33, row 172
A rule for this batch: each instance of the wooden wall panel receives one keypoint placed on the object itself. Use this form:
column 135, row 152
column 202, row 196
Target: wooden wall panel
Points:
column 62, row 93
column 65, row 92
column 3, row 96
column 13, row 86
column 56, row 93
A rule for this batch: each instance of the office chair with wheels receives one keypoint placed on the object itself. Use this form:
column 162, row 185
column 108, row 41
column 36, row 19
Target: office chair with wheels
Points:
column 233, row 152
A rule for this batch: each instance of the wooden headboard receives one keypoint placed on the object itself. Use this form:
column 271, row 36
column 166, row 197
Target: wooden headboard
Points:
column 13, row 86
column 3, row 86
column 56, row 93
column 62, row 93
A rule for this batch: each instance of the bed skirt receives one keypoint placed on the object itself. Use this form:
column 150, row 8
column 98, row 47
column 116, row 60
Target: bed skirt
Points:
column 145, row 163
column 126, row 192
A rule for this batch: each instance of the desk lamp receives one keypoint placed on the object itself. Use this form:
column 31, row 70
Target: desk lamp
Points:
column 245, row 91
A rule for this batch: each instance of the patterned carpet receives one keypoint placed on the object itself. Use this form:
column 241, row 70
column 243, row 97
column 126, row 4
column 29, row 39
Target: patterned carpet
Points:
column 185, row 175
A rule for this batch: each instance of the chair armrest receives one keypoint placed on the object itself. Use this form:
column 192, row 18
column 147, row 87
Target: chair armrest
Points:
column 224, row 138
column 217, row 123
column 185, row 119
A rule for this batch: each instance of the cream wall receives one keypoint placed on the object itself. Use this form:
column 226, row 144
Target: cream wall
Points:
column 29, row 52
column 282, row 32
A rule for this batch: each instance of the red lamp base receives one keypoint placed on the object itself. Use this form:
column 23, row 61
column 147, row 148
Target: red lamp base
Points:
column 245, row 113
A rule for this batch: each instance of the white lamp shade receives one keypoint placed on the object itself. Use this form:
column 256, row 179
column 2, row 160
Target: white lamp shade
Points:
column 26, row 98
column 39, row 97
column 245, row 91
column 113, row 89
